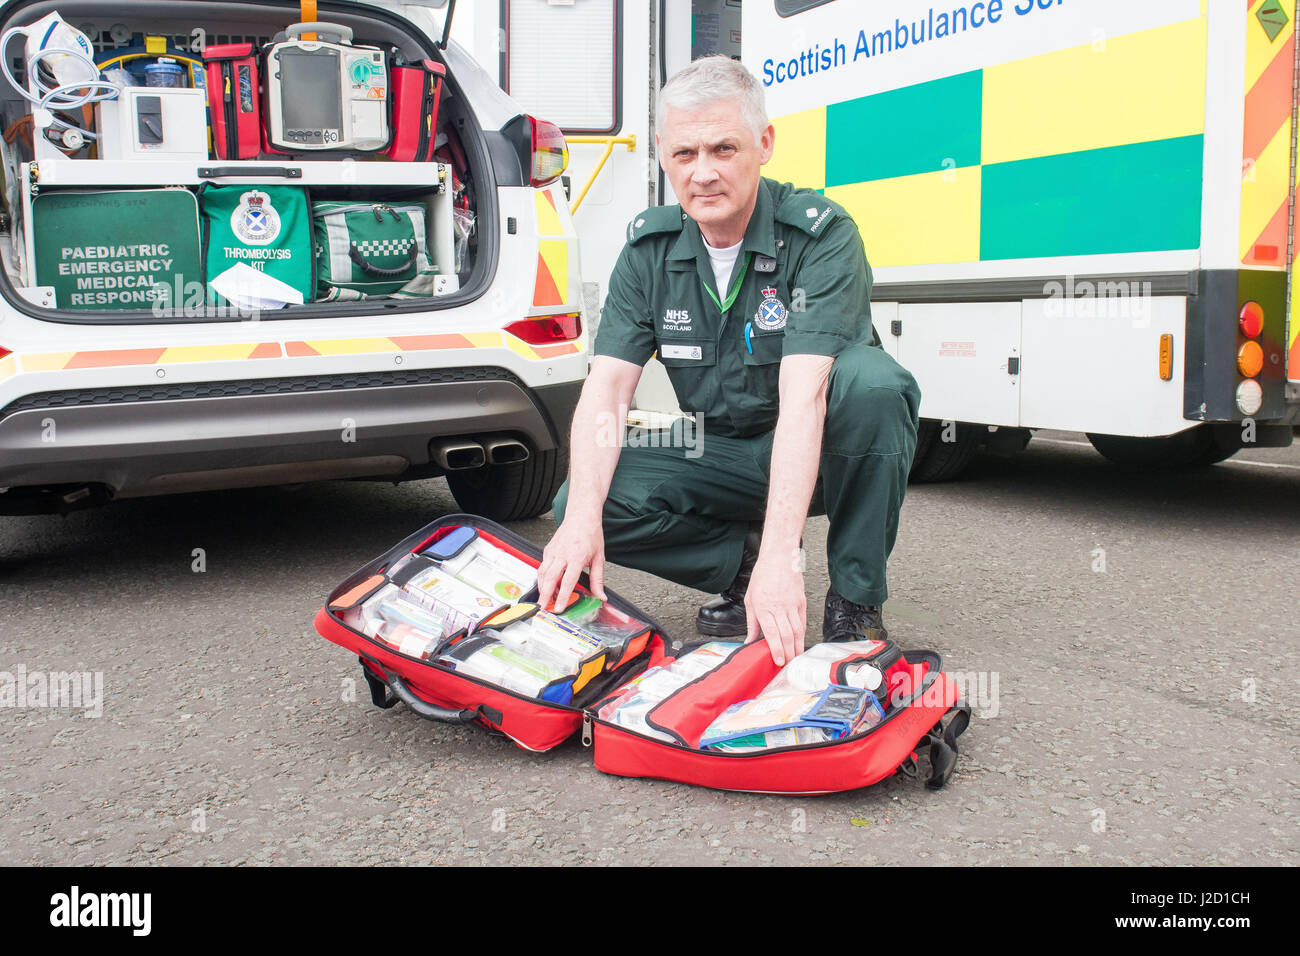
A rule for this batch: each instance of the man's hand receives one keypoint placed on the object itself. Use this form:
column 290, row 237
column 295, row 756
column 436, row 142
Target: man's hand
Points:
column 575, row 546
column 777, row 607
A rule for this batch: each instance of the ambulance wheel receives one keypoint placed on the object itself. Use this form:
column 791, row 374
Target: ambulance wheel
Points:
column 925, row 432
column 945, row 460
column 511, row 492
column 1195, row 446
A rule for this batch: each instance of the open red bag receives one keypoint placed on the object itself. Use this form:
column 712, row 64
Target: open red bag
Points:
column 924, row 711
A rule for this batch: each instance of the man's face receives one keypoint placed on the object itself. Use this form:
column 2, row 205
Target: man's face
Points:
column 713, row 163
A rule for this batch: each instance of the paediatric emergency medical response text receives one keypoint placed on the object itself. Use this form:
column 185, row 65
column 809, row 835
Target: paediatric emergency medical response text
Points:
column 107, row 275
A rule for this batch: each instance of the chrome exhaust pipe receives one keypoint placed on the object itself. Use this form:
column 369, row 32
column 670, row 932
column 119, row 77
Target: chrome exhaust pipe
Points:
column 506, row 451
column 459, row 455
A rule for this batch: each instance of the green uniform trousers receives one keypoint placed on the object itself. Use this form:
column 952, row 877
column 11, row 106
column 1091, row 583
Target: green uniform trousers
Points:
column 682, row 513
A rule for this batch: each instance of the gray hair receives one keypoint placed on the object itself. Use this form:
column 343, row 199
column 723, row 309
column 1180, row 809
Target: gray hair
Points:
column 709, row 80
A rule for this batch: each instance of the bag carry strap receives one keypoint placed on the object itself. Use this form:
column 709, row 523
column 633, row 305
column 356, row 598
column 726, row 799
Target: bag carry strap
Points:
column 943, row 744
column 355, row 255
column 381, row 697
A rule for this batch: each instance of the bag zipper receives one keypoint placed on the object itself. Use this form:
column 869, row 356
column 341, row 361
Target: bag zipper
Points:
column 230, row 77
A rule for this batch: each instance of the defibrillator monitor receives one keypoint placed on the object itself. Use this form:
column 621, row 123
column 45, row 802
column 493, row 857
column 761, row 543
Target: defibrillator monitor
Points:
column 323, row 95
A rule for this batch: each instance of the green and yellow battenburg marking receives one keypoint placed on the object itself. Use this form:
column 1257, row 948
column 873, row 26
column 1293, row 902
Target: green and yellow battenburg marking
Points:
column 1091, row 149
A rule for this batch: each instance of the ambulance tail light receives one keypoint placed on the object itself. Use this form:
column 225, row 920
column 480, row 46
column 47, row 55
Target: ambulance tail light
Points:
column 1251, row 320
column 1250, row 396
column 1250, row 359
column 4, row 351
column 549, row 152
column 547, row 329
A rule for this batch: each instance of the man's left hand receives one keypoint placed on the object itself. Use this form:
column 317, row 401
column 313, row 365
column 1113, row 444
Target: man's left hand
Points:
column 777, row 607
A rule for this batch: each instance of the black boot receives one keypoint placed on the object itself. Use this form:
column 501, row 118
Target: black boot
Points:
column 846, row 621
column 724, row 616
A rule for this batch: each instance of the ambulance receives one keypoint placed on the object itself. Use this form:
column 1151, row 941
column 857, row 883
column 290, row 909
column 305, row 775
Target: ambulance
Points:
column 106, row 395
column 1079, row 213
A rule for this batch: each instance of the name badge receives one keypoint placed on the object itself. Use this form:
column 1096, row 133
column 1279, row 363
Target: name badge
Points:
column 681, row 352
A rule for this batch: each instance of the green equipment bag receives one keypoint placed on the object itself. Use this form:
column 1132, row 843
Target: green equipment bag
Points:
column 267, row 228
column 117, row 249
column 371, row 250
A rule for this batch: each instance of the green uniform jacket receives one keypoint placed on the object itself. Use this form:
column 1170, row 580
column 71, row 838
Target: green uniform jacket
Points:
column 804, row 288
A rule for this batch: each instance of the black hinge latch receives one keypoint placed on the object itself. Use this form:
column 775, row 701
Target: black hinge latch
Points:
column 1013, row 365
column 896, row 327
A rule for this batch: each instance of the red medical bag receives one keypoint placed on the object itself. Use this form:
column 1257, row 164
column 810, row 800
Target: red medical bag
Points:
column 416, row 89
column 923, row 712
column 234, row 100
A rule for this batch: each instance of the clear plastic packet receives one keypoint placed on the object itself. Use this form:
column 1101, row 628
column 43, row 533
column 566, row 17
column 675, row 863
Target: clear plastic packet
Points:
column 838, row 711
column 639, row 696
column 440, row 591
column 786, row 737
column 814, row 670
column 552, row 639
column 488, row 659
column 604, row 622
column 491, row 570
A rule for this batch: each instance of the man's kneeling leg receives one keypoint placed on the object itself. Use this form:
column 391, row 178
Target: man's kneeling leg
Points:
column 870, row 437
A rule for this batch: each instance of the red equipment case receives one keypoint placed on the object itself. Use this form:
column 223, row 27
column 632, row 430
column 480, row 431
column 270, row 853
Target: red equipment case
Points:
column 924, row 710
column 234, row 100
column 416, row 90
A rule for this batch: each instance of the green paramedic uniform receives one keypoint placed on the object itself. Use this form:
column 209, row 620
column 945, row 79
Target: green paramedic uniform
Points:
column 801, row 285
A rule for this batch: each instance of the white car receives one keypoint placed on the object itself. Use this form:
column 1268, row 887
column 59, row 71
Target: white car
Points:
column 477, row 382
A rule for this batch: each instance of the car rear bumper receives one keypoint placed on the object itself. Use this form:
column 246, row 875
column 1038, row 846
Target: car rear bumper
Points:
column 197, row 436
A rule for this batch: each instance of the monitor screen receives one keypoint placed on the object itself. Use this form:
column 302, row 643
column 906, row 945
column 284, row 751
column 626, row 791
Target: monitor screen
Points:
column 310, row 94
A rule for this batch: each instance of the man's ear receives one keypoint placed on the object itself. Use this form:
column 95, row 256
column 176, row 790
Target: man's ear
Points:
column 767, row 143
column 659, row 153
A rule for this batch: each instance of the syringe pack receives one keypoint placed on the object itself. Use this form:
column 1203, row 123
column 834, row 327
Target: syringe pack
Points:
column 529, row 676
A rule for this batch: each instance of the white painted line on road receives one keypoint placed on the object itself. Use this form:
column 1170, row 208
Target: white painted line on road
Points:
column 1249, row 464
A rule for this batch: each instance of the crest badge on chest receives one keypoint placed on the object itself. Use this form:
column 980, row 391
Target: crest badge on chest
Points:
column 772, row 313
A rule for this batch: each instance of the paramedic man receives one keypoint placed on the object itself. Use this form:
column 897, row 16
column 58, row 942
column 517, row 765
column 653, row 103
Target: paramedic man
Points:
column 756, row 297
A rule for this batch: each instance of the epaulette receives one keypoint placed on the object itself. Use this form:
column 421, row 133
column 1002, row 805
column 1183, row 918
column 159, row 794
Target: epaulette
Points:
column 808, row 212
column 653, row 221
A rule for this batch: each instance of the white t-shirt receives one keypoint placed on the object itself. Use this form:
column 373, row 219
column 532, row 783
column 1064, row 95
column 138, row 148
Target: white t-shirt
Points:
column 723, row 261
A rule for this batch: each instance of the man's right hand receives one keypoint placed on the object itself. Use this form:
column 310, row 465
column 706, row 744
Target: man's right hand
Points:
column 575, row 546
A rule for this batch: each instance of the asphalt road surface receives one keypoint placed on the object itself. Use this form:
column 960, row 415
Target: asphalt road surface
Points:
column 1130, row 643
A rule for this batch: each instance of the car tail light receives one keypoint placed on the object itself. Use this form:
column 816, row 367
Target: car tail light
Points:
column 547, row 329
column 1250, row 359
column 550, row 152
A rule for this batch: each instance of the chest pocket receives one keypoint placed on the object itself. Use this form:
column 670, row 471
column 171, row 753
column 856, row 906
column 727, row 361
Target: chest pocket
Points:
column 689, row 353
column 767, row 347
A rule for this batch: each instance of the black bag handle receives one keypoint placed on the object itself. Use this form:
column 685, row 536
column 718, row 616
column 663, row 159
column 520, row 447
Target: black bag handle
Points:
column 379, row 695
column 222, row 172
column 372, row 270
column 425, row 709
column 943, row 744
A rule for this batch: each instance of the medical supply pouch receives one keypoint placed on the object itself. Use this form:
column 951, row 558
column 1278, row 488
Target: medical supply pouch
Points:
column 417, row 87
column 372, row 249
column 234, row 100
column 477, row 677
column 258, row 229
column 117, row 249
